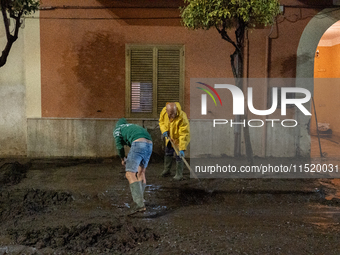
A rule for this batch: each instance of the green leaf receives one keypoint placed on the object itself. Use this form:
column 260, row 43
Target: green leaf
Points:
column 204, row 14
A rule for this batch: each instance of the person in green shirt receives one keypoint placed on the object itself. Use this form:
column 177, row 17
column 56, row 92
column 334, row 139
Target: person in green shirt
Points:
column 140, row 141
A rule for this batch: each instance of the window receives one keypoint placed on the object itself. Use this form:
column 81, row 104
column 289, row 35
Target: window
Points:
column 141, row 97
column 154, row 76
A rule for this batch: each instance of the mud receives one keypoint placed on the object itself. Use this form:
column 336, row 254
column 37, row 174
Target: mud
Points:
column 13, row 173
column 92, row 238
column 22, row 203
column 78, row 206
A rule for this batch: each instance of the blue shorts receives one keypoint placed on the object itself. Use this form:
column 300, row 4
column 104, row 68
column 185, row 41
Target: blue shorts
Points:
column 139, row 155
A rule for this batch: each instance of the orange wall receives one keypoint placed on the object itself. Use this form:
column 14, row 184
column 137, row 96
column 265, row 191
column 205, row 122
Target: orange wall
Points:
column 327, row 64
column 83, row 59
column 327, row 88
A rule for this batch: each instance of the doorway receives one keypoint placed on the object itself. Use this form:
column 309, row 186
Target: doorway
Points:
column 325, row 121
column 306, row 52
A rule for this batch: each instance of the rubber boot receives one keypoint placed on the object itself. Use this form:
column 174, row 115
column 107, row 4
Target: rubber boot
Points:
column 143, row 189
column 137, row 196
column 179, row 170
column 167, row 166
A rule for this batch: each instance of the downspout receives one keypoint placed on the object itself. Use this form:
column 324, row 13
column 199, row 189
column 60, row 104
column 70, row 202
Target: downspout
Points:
column 246, row 62
column 245, row 72
column 265, row 91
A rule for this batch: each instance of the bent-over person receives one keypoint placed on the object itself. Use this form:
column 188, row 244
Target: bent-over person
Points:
column 137, row 159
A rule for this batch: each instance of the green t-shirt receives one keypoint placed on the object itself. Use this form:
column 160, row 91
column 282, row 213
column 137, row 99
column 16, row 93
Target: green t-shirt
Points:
column 125, row 133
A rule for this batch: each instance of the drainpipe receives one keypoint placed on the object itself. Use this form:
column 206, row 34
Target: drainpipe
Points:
column 245, row 72
column 265, row 92
column 246, row 60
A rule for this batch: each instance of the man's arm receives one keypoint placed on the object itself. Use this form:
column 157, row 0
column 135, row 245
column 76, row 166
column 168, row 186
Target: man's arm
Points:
column 162, row 125
column 184, row 133
column 119, row 143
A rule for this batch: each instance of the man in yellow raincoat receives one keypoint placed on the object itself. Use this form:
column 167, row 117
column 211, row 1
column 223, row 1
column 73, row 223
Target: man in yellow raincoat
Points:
column 174, row 124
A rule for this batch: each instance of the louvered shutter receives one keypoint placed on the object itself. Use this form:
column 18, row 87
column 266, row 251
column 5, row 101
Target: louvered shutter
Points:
column 141, row 81
column 168, row 77
column 154, row 76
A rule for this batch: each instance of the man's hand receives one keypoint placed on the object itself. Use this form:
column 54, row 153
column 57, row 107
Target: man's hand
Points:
column 181, row 154
column 165, row 134
column 123, row 161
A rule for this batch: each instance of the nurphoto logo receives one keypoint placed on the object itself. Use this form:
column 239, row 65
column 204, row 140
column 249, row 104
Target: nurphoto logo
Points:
column 238, row 107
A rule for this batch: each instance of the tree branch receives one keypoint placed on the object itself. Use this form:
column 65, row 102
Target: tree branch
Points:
column 10, row 38
column 239, row 32
column 232, row 61
column 17, row 24
column 224, row 34
column 3, row 8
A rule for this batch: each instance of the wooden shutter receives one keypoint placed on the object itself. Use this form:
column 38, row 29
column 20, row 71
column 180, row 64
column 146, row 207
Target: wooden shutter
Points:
column 141, row 80
column 168, row 77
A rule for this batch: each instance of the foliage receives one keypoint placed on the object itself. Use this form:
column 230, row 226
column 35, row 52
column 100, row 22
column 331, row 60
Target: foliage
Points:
column 14, row 9
column 225, row 15
column 216, row 13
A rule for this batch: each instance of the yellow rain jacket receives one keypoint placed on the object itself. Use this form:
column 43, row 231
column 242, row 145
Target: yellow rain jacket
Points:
column 178, row 129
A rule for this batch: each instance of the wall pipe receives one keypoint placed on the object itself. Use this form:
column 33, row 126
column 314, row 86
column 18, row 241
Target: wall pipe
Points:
column 246, row 71
column 265, row 92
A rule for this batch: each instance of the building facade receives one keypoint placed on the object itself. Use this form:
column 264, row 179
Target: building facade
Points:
column 79, row 66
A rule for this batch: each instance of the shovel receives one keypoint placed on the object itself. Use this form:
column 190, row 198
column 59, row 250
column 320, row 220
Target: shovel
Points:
column 184, row 160
column 188, row 166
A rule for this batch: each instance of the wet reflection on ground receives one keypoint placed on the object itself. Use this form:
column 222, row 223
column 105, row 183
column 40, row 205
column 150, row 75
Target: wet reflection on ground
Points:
column 79, row 207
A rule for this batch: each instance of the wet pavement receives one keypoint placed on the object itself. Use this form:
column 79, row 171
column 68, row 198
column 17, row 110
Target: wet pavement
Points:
column 329, row 145
column 78, row 206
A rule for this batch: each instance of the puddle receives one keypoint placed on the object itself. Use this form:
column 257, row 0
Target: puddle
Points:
column 159, row 208
column 150, row 188
column 17, row 249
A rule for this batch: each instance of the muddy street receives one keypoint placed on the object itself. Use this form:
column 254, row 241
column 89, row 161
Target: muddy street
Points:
column 78, row 206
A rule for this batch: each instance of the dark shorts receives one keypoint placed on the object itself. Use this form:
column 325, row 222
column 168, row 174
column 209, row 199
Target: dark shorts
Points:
column 139, row 155
column 169, row 151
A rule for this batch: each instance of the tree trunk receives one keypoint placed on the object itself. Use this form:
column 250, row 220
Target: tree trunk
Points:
column 10, row 38
column 236, row 60
column 5, row 52
column 238, row 79
column 240, row 32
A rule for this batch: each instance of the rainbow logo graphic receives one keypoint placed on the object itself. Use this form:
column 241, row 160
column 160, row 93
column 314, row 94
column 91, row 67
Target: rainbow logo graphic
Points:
column 209, row 93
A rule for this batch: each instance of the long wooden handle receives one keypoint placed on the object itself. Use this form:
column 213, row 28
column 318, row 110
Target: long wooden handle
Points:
column 184, row 160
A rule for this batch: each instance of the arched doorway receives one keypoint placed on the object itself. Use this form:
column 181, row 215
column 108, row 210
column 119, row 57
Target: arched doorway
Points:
column 308, row 44
column 325, row 121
